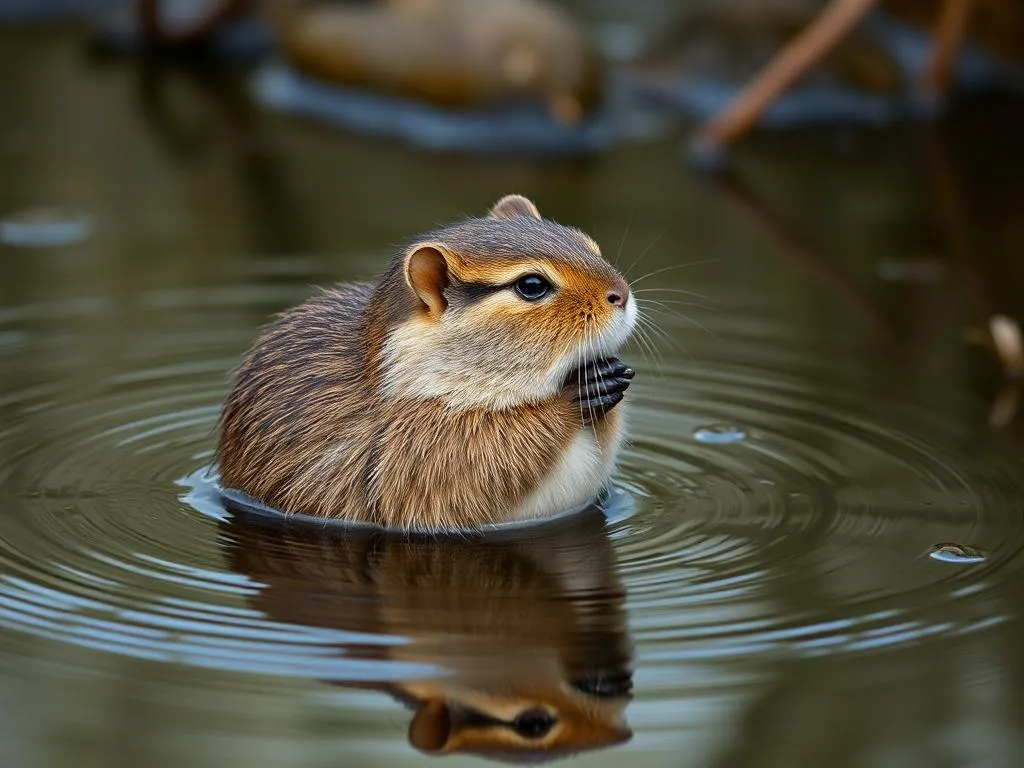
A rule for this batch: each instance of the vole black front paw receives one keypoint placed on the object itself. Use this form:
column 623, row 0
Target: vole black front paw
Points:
column 598, row 386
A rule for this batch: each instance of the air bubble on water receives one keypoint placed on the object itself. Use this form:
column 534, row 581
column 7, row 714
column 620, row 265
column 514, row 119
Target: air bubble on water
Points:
column 955, row 553
column 45, row 228
column 720, row 433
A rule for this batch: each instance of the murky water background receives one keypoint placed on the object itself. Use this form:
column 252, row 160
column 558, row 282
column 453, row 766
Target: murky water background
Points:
column 816, row 424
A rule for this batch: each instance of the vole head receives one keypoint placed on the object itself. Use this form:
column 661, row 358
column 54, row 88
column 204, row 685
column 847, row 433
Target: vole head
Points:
column 495, row 312
column 535, row 725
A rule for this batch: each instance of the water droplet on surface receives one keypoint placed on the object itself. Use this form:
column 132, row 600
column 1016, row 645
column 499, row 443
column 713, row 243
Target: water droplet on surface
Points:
column 45, row 228
column 720, row 433
column 955, row 553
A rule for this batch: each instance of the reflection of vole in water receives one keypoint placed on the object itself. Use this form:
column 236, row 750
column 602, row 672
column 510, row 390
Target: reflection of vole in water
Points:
column 530, row 630
column 473, row 383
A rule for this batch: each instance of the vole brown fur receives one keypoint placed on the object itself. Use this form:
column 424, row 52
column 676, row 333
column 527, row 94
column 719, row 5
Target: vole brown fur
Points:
column 446, row 395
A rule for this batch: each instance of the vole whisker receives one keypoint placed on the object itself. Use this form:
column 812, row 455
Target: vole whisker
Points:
column 579, row 378
column 660, row 332
column 652, row 326
column 644, row 336
column 669, row 307
column 675, row 290
column 640, row 347
column 622, row 242
column 688, row 319
column 644, row 339
column 699, row 325
column 672, row 267
column 592, row 357
column 643, row 253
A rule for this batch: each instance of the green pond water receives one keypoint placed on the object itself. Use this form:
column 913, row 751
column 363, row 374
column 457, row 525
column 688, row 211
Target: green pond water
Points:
column 810, row 418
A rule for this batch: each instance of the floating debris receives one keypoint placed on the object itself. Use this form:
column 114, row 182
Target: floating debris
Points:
column 1007, row 339
column 720, row 433
column 1004, row 406
column 45, row 228
column 956, row 553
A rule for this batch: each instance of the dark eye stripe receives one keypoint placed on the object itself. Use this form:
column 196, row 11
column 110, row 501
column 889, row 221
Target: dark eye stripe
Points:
column 465, row 294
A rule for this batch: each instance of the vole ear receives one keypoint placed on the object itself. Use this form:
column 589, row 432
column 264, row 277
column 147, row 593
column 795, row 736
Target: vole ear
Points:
column 512, row 206
column 431, row 726
column 426, row 272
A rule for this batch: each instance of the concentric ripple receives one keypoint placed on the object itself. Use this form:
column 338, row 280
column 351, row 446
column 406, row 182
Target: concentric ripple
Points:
column 801, row 523
column 787, row 494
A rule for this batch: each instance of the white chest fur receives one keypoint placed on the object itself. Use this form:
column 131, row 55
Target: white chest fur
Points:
column 576, row 479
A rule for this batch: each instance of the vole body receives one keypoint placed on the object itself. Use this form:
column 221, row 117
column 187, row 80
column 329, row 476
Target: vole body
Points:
column 446, row 395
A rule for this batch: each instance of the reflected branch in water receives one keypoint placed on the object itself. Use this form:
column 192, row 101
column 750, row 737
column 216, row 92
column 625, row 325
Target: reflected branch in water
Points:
column 796, row 248
column 950, row 31
column 238, row 126
column 1000, row 333
column 528, row 631
column 183, row 141
column 951, row 215
column 156, row 31
column 838, row 19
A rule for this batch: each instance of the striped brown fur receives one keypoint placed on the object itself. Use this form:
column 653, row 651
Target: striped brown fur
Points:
column 435, row 398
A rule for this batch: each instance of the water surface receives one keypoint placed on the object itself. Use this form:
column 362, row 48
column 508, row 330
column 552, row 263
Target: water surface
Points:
column 809, row 421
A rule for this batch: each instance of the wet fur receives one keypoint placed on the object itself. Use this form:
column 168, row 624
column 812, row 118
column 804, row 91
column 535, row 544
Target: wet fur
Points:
column 366, row 404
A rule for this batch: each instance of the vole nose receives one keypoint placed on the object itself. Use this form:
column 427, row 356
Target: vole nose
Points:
column 618, row 297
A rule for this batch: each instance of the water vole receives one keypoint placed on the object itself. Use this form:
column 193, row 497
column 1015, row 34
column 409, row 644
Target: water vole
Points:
column 473, row 383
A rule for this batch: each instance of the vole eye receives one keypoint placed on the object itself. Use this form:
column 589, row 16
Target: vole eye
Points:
column 532, row 287
column 533, row 723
